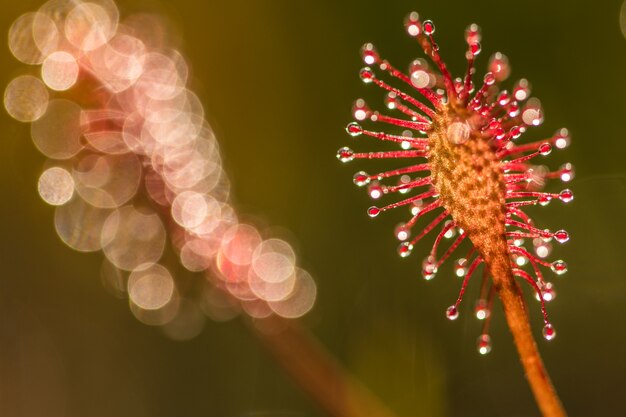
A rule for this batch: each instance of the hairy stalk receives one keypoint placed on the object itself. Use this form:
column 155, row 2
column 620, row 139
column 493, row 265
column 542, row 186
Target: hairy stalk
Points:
column 517, row 320
column 317, row 372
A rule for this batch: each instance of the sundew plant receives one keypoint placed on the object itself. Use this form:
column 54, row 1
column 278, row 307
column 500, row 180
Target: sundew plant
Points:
column 464, row 161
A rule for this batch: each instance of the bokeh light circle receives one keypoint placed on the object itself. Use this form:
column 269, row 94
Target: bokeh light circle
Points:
column 57, row 134
column 132, row 129
column 89, row 26
column 56, row 186
column 301, row 299
column 150, row 287
column 131, row 238
column 26, row 98
column 32, row 37
column 273, row 261
column 79, row 225
column 60, row 71
column 107, row 181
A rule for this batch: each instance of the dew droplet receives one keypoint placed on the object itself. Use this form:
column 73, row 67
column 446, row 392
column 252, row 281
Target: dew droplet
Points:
column 484, row 344
column 544, row 199
column 521, row 91
column 407, row 134
column 451, row 232
column 460, row 267
column 369, row 54
column 429, row 27
column 452, row 313
column 403, row 180
column 375, row 191
column 513, row 110
column 361, row 178
column 548, row 332
column 429, row 268
column 504, row 99
column 404, row 249
column 475, row 48
column 419, row 74
column 559, row 267
column 373, row 211
column 481, row 310
column 354, row 129
column 566, row 172
column 360, row 110
column 561, row 236
column 561, row 138
column 391, row 100
column 489, row 78
column 543, row 249
column 402, row 232
column 494, row 125
column 416, row 207
column 566, row 195
column 420, row 79
column 520, row 260
column 345, row 154
column 499, row 66
column 532, row 115
column 412, row 24
column 367, row 75
column 545, row 149
column 548, row 293
column 472, row 34
column 459, row 85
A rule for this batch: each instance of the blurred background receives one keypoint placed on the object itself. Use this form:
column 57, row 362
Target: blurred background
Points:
column 277, row 80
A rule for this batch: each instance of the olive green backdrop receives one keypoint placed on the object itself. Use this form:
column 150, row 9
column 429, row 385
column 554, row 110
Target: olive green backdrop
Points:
column 277, row 79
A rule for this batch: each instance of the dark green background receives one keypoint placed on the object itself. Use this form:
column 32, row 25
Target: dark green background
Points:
column 277, row 79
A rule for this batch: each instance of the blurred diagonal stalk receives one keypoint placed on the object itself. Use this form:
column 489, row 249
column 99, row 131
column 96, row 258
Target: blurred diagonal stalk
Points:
column 319, row 374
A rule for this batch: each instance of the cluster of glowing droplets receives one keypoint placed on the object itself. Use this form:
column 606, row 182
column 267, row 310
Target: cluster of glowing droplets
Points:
column 498, row 118
column 133, row 164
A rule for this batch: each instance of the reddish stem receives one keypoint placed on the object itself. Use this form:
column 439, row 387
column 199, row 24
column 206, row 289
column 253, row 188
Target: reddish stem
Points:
column 517, row 319
column 316, row 371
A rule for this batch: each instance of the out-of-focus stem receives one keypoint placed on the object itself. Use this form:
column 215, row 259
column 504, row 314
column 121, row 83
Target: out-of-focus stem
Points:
column 317, row 372
column 517, row 319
